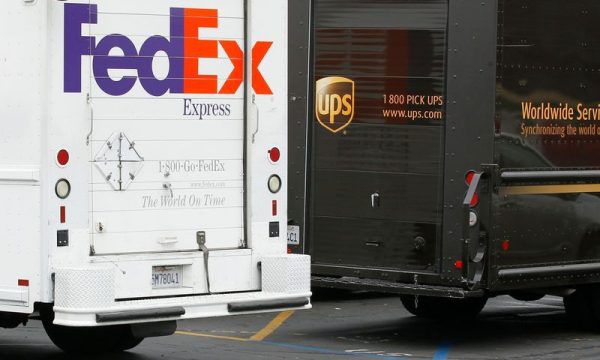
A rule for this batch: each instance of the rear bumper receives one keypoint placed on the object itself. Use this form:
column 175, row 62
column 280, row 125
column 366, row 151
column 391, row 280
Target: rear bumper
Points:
column 353, row 283
column 141, row 311
column 86, row 296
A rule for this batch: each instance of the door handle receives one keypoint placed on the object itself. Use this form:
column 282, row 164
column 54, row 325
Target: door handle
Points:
column 374, row 243
column 256, row 119
column 91, row 106
column 375, row 202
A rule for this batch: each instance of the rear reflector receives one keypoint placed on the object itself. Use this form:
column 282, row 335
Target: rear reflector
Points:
column 274, row 207
column 23, row 282
column 63, row 214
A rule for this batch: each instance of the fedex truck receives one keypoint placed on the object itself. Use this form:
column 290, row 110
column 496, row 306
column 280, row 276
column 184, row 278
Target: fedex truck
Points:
column 142, row 176
column 447, row 150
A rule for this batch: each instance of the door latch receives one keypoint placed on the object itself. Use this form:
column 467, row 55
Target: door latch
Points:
column 201, row 240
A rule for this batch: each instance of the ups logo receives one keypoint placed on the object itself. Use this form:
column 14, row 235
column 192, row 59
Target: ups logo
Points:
column 335, row 102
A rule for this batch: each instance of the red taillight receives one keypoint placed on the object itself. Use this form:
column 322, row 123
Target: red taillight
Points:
column 23, row 282
column 63, row 214
column 506, row 245
column 274, row 154
column 62, row 157
column 475, row 200
column 458, row 264
column 289, row 250
column 274, row 206
column 469, row 177
column 469, row 180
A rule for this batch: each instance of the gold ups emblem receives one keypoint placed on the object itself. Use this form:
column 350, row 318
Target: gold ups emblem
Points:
column 335, row 102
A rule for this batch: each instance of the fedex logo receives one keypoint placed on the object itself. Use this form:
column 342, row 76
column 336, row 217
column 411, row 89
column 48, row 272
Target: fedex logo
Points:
column 184, row 49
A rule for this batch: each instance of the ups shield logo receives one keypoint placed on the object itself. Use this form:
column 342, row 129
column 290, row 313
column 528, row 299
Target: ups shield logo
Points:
column 335, row 103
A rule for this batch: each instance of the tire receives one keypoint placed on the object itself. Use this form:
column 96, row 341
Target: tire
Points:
column 422, row 307
column 87, row 340
column 443, row 308
column 526, row 296
column 579, row 307
column 127, row 342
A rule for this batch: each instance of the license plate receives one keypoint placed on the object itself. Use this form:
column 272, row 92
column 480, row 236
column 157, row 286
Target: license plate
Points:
column 293, row 233
column 166, row 277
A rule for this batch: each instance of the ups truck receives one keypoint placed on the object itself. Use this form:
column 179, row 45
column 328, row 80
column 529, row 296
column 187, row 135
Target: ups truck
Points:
column 447, row 150
column 141, row 176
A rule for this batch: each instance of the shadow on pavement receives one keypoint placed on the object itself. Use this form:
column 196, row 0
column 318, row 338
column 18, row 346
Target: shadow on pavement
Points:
column 32, row 352
column 328, row 294
column 502, row 323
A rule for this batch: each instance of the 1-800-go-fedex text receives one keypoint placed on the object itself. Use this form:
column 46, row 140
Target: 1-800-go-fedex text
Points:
column 191, row 166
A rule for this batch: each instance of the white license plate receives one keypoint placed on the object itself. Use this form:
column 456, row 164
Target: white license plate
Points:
column 293, row 233
column 166, row 277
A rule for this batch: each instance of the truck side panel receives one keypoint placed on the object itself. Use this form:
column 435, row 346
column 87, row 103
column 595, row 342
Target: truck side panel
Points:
column 22, row 90
column 547, row 120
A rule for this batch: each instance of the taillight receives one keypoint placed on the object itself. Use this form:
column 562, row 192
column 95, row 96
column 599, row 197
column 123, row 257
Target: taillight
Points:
column 458, row 264
column 62, row 157
column 506, row 245
column 469, row 177
column 469, row 180
column 274, row 154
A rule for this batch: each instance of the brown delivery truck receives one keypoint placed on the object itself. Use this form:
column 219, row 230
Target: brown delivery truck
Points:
column 448, row 150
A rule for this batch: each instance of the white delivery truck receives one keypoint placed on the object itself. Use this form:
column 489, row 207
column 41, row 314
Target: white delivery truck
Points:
column 141, row 172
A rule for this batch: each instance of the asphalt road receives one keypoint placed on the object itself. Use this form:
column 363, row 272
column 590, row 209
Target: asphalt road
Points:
column 346, row 325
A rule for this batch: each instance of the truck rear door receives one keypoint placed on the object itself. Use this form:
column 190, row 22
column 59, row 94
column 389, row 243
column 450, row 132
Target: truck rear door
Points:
column 378, row 133
column 167, row 126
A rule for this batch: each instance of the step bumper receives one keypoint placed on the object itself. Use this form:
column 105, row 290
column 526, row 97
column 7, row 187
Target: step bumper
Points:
column 86, row 296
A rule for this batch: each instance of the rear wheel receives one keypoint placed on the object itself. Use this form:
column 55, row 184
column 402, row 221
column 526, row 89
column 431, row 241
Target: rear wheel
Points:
column 420, row 306
column 128, row 342
column 443, row 308
column 85, row 340
column 581, row 309
column 526, row 296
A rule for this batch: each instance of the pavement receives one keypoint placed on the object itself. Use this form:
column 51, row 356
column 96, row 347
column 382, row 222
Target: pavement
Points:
column 351, row 325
